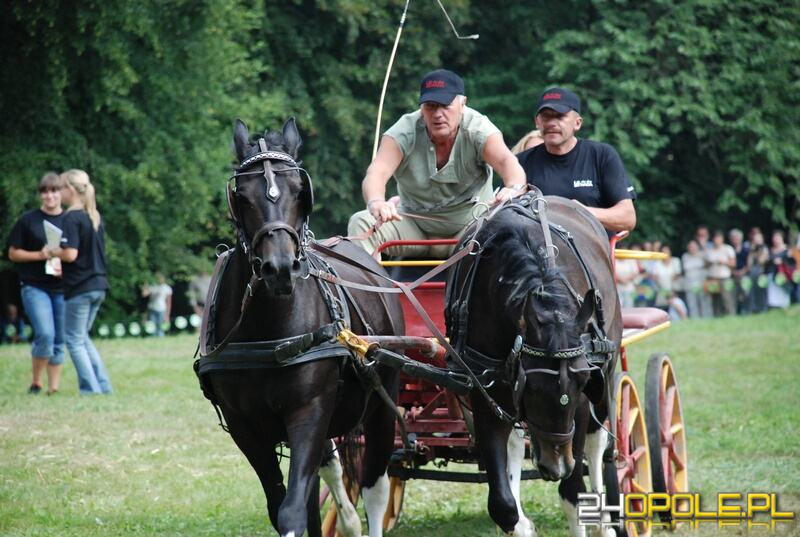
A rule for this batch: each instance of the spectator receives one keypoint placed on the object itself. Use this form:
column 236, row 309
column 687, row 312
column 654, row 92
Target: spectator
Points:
column 757, row 258
column 742, row 248
column 721, row 259
column 85, row 281
column 701, row 236
column 694, row 278
column 627, row 274
column 666, row 274
column 159, row 304
column 12, row 326
column 780, row 268
column 532, row 139
column 198, row 290
column 676, row 308
column 41, row 283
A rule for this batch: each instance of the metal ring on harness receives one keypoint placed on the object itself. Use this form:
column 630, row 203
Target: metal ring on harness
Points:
column 483, row 204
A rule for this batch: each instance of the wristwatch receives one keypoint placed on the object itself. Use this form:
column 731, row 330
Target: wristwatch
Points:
column 517, row 187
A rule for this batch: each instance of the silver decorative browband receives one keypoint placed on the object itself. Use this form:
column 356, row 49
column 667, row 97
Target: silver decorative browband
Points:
column 267, row 155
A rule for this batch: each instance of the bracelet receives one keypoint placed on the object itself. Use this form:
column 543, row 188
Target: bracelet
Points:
column 370, row 202
column 517, row 187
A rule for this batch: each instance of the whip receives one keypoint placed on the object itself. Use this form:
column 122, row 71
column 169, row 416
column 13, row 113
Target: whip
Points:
column 391, row 63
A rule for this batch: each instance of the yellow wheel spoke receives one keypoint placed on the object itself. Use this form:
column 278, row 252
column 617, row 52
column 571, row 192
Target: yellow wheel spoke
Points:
column 633, row 416
column 675, row 429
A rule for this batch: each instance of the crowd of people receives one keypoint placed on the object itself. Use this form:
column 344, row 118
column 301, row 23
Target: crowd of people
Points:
column 715, row 276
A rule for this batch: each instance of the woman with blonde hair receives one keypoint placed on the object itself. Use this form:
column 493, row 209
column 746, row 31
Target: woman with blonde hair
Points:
column 532, row 139
column 41, row 287
column 85, row 282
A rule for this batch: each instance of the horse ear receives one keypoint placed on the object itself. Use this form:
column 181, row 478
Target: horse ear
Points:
column 241, row 139
column 291, row 138
column 587, row 310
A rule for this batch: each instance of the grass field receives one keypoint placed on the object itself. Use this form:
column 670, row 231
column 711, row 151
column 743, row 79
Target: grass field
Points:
column 151, row 460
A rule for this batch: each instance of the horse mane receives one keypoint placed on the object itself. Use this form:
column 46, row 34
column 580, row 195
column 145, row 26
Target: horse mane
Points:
column 523, row 272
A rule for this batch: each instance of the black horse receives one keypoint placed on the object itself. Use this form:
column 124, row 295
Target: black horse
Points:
column 547, row 333
column 268, row 360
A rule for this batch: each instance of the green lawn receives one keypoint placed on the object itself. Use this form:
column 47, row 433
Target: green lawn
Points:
column 151, row 460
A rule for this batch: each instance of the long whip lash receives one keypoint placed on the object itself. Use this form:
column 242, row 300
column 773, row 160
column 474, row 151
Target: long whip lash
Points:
column 391, row 63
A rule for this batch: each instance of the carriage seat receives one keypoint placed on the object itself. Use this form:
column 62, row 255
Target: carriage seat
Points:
column 643, row 318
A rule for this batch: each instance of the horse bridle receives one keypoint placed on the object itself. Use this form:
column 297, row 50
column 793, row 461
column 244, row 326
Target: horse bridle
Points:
column 273, row 193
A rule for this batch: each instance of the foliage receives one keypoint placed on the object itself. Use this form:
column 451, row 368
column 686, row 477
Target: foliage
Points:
column 700, row 98
column 139, row 95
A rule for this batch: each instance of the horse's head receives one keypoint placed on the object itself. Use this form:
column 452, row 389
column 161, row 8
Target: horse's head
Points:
column 551, row 321
column 270, row 198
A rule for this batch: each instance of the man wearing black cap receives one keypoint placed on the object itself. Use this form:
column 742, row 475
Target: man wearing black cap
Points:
column 588, row 172
column 442, row 157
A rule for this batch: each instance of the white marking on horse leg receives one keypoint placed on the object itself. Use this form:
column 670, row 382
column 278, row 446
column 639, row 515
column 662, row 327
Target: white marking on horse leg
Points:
column 515, row 451
column 593, row 450
column 290, row 534
column 376, row 498
column 348, row 522
column 575, row 529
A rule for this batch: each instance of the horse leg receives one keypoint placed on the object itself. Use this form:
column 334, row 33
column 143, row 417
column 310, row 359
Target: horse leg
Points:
column 348, row 522
column 516, row 454
column 260, row 453
column 314, row 522
column 305, row 429
column 573, row 484
column 379, row 443
column 491, row 437
column 596, row 444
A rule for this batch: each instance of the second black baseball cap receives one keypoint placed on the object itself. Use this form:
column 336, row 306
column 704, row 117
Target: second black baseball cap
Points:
column 559, row 99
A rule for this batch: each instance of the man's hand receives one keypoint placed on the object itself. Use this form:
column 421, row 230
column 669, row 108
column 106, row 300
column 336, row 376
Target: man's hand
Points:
column 506, row 193
column 383, row 211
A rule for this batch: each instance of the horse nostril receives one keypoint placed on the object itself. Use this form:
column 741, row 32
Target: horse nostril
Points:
column 268, row 268
column 296, row 265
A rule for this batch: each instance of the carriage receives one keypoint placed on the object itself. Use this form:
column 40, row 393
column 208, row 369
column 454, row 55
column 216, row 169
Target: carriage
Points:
column 277, row 377
column 649, row 454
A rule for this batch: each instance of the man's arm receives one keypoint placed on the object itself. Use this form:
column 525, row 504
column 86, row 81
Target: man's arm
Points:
column 380, row 170
column 619, row 217
column 497, row 155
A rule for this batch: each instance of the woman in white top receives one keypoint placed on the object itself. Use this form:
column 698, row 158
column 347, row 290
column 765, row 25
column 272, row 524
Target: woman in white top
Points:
column 721, row 261
column 665, row 274
column 694, row 279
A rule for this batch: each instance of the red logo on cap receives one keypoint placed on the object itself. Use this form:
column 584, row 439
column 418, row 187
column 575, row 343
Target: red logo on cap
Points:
column 549, row 96
column 434, row 84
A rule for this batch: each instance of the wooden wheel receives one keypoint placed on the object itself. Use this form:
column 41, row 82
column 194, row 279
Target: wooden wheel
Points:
column 666, row 432
column 397, row 489
column 633, row 455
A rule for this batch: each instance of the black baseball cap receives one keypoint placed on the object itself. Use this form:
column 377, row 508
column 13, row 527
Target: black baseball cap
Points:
column 440, row 86
column 559, row 99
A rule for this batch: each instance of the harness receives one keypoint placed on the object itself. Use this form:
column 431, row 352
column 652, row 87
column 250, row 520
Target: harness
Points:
column 319, row 344
column 523, row 358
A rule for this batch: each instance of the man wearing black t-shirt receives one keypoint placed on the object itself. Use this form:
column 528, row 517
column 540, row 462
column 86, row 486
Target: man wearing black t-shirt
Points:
column 588, row 172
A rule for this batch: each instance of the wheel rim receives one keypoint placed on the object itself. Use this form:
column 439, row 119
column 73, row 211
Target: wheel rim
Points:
column 397, row 489
column 633, row 455
column 672, row 432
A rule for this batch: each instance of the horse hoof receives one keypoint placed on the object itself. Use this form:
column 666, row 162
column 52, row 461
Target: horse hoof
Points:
column 524, row 528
